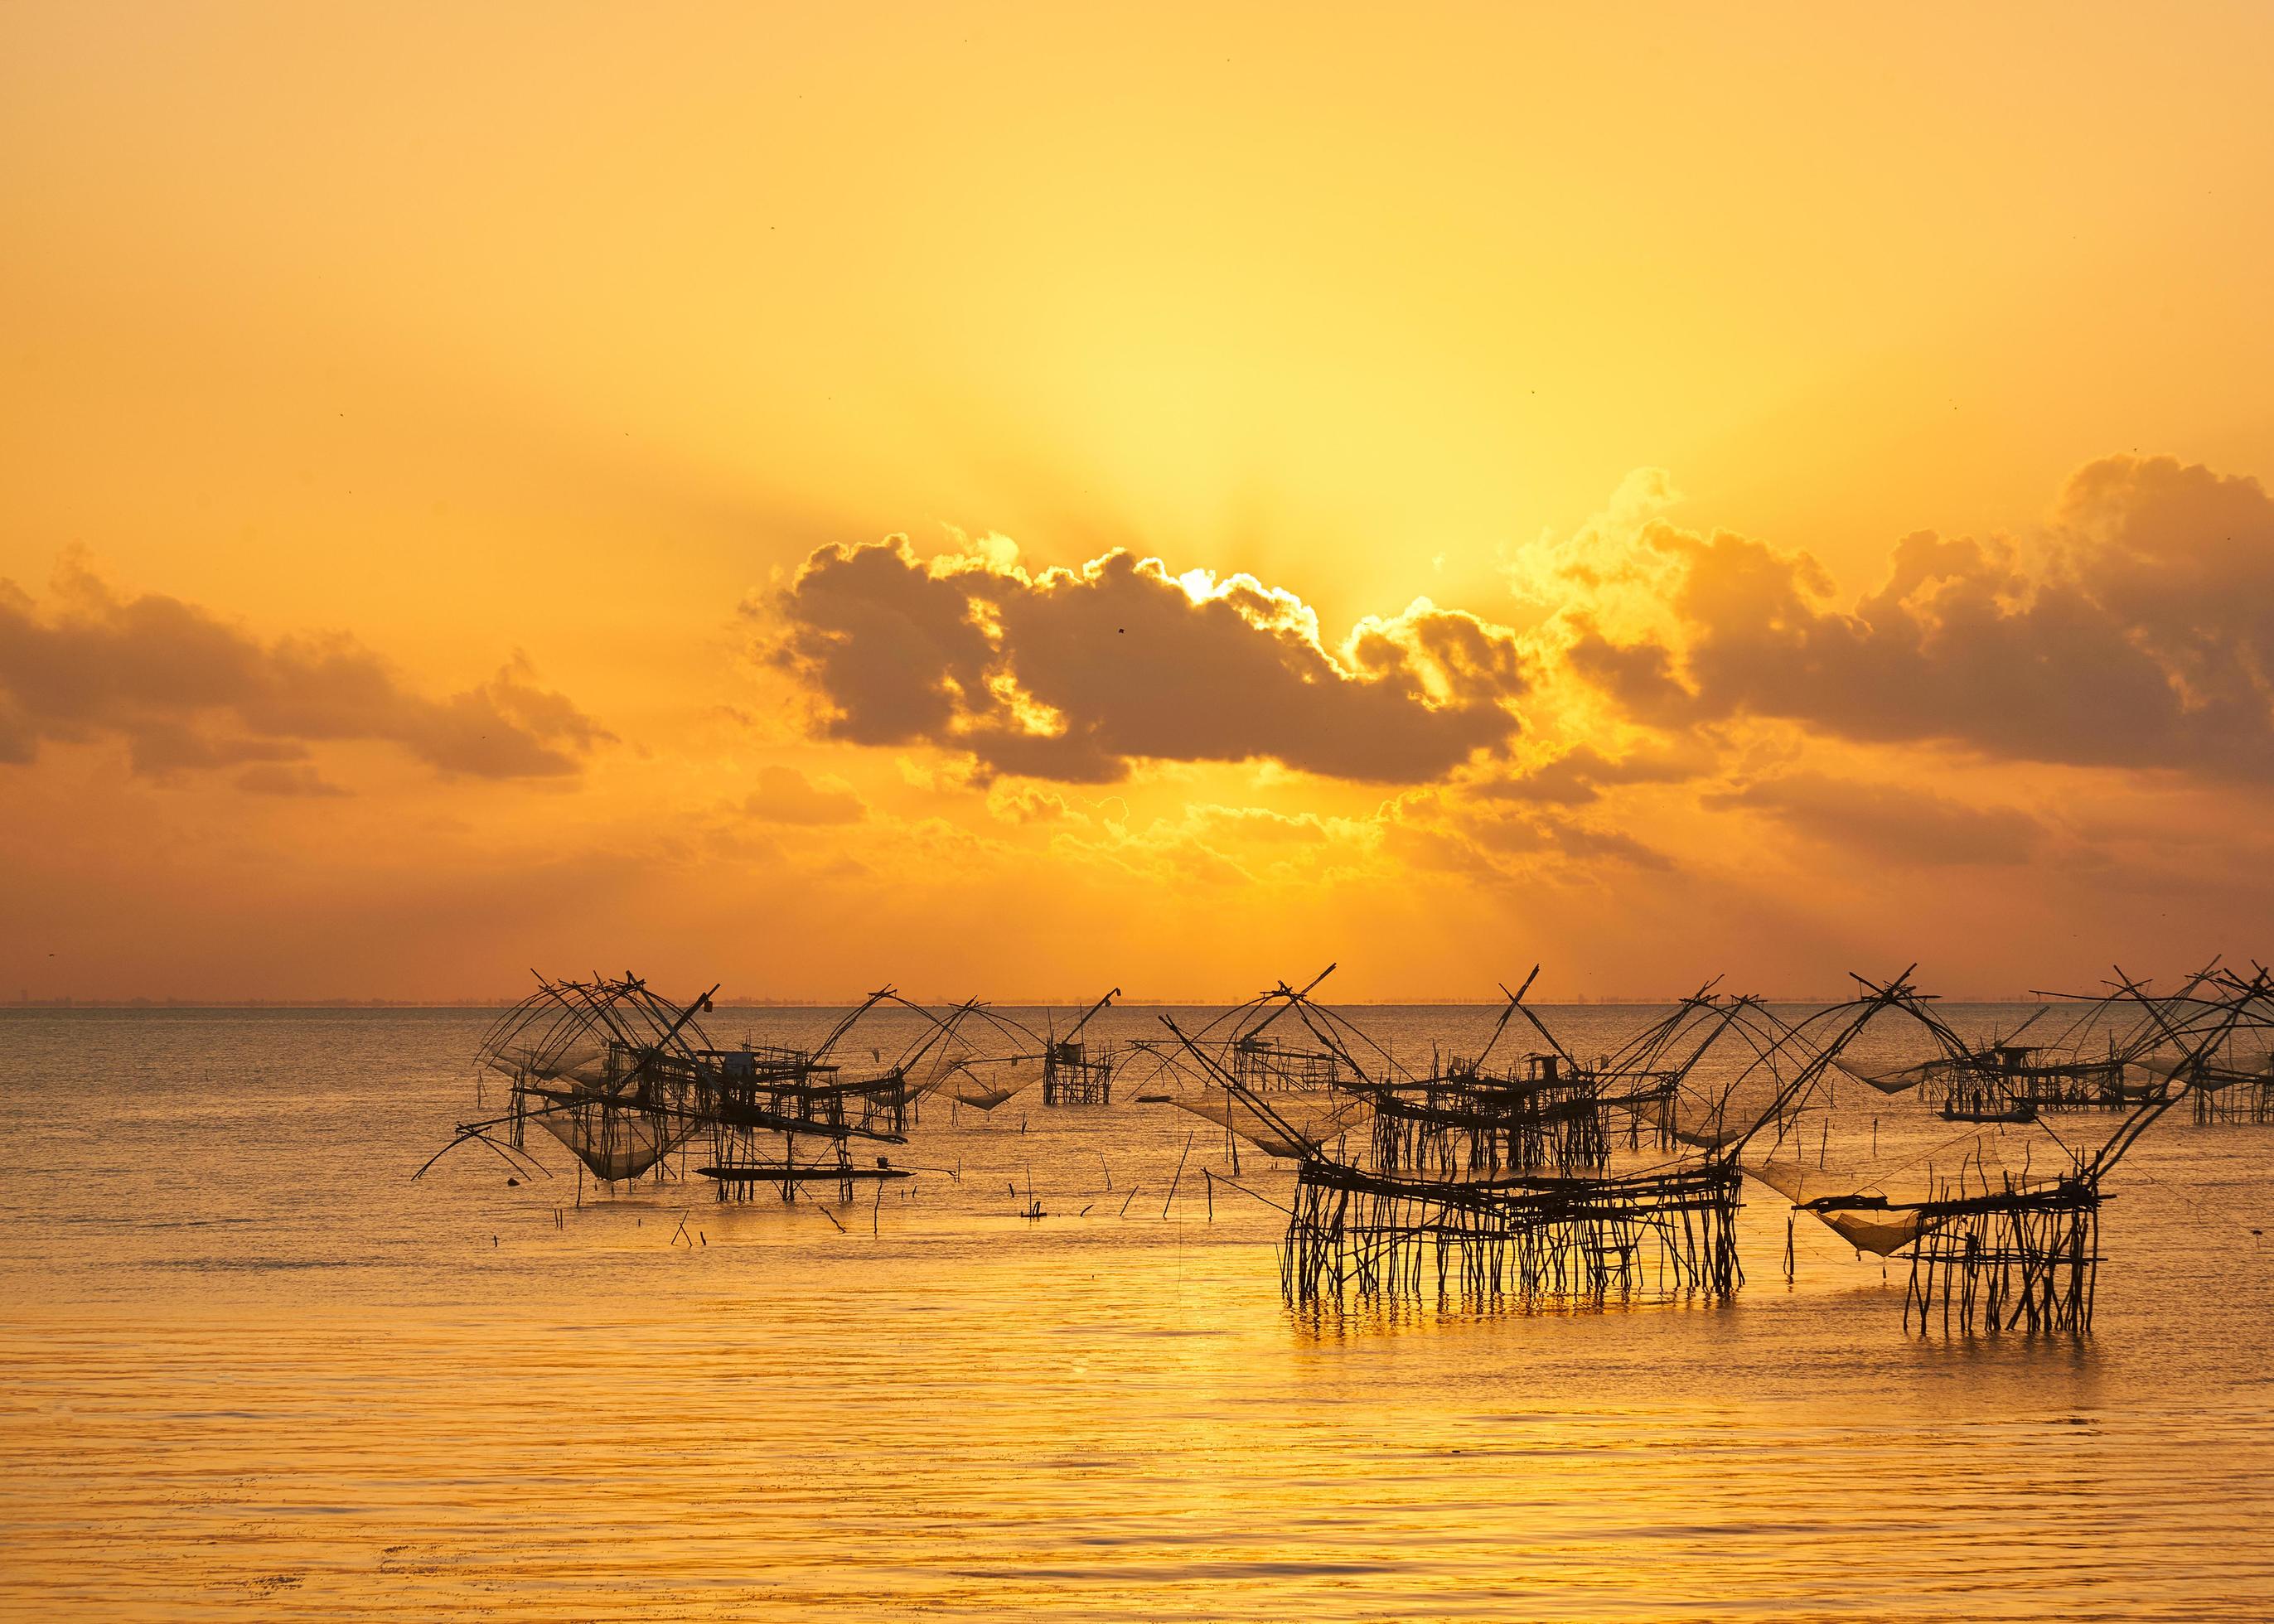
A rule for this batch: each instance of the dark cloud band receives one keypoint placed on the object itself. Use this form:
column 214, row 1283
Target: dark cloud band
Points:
column 1074, row 675
column 2146, row 640
column 189, row 692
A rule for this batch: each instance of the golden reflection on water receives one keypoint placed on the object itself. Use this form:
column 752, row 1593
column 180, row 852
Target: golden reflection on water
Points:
column 249, row 1368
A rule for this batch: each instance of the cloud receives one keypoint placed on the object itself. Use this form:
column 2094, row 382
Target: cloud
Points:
column 1884, row 821
column 1579, row 775
column 1217, row 845
column 285, row 779
column 2144, row 640
column 189, row 692
column 1524, row 833
column 1496, row 841
column 159, row 748
column 1025, row 804
column 785, row 795
column 1072, row 675
column 1258, row 824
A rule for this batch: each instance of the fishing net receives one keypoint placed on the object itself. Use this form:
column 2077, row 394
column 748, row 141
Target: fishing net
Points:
column 1290, row 1125
column 1880, row 1233
column 587, row 1064
column 1887, row 1079
column 1875, row 1206
column 614, row 1144
column 985, row 1084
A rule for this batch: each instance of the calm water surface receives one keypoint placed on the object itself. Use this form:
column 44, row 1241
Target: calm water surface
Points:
column 251, row 1369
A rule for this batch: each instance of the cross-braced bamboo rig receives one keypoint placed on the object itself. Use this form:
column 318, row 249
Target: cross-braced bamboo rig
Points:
column 1999, row 1247
column 2112, row 1057
column 758, row 1102
column 1545, row 1110
column 1075, row 1071
column 1516, row 1169
column 2216, row 1041
column 1449, row 1191
column 632, row 1085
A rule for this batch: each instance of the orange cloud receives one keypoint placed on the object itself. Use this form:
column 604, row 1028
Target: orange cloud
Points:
column 187, row 691
column 2145, row 641
column 1890, row 823
column 286, row 778
column 1074, row 675
column 785, row 795
column 1581, row 774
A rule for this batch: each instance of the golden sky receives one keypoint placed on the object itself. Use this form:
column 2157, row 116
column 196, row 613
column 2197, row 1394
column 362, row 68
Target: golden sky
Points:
column 1016, row 499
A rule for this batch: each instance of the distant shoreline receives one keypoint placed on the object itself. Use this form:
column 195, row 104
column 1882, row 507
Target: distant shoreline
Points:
column 317, row 1005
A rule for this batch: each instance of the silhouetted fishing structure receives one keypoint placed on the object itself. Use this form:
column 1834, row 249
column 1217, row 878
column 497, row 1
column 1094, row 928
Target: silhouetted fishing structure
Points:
column 628, row 1081
column 758, row 1101
column 2229, row 1073
column 607, row 1067
column 1265, row 1061
column 1514, row 1168
column 2235, row 1090
column 1075, row 1073
column 1999, row 1247
column 2009, row 1081
column 1372, row 1221
column 1537, row 1111
column 1533, row 1113
column 2096, row 1063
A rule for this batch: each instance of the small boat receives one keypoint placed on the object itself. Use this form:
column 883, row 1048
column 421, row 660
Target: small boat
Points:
column 764, row 1173
column 2016, row 1111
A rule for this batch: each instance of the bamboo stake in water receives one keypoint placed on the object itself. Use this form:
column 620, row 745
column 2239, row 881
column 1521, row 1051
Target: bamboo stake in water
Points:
column 1181, row 1173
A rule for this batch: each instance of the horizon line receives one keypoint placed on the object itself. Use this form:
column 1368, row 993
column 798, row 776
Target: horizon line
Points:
column 70, row 1001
